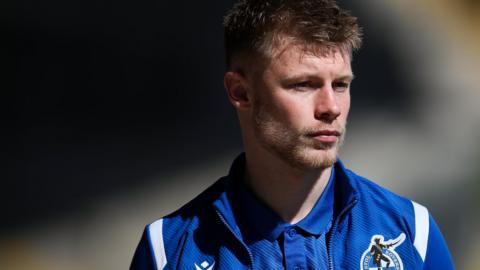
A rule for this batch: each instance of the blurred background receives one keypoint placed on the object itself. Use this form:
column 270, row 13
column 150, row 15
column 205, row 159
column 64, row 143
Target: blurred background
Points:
column 118, row 116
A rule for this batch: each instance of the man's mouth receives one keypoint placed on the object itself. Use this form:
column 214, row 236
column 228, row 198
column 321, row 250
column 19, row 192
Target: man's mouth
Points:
column 326, row 136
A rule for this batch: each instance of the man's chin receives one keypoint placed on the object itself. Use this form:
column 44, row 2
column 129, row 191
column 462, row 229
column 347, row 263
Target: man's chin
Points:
column 323, row 146
column 315, row 158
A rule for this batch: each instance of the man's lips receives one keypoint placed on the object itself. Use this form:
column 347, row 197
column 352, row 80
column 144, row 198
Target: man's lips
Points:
column 326, row 136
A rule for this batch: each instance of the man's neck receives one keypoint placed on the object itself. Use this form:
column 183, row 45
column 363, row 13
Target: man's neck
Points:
column 290, row 192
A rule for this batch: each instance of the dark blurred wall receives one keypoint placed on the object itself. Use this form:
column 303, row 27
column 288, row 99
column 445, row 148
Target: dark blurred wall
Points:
column 108, row 93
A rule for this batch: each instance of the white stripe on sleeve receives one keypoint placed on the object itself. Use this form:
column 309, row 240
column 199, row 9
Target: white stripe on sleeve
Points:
column 156, row 239
column 421, row 229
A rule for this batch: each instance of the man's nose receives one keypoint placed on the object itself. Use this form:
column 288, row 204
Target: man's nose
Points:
column 326, row 105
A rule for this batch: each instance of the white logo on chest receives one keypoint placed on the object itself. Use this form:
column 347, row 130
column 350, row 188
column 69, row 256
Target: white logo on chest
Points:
column 204, row 266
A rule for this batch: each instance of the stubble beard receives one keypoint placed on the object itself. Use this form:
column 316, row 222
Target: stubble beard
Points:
column 295, row 147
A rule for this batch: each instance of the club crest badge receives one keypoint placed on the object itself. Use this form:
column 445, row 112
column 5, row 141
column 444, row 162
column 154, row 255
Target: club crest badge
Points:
column 381, row 254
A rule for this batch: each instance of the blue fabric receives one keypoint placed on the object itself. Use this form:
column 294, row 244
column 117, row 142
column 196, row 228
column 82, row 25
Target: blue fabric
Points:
column 371, row 228
column 143, row 257
column 436, row 246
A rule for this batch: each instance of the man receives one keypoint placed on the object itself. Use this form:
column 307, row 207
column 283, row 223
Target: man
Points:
column 288, row 203
column 377, row 250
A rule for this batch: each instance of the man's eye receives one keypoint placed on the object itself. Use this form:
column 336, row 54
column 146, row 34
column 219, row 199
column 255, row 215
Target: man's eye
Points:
column 303, row 86
column 340, row 86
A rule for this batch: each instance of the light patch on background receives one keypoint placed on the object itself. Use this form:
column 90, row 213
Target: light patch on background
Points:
column 105, row 234
column 435, row 157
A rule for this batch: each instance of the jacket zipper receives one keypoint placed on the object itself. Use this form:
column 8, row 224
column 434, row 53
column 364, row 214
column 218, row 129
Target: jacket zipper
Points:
column 334, row 228
column 235, row 235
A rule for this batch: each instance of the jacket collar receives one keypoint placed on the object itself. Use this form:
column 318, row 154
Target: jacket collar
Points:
column 224, row 204
column 227, row 203
column 261, row 222
column 345, row 193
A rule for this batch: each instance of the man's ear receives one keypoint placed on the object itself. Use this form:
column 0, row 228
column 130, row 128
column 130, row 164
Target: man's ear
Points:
column 237, row 89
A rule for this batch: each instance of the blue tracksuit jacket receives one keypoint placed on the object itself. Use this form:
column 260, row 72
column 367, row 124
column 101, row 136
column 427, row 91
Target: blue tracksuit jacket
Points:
column 371, row 227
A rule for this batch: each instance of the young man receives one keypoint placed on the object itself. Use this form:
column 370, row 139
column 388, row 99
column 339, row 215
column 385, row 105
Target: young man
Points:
column 288, row 203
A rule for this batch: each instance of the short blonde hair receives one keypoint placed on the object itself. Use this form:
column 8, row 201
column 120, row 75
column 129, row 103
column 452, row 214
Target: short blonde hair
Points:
column 254, row 27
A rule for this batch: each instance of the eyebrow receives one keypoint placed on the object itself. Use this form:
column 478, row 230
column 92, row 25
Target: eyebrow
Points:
column 349, row 77
column 288, row 79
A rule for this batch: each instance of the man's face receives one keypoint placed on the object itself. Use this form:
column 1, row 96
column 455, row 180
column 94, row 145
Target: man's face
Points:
column 300, row 106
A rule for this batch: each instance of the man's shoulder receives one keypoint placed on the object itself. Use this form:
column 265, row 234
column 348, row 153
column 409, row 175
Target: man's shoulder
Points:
column 187, row 217
column 368, row 187
column 165, row 239
column 384, row 214
column 374, row 196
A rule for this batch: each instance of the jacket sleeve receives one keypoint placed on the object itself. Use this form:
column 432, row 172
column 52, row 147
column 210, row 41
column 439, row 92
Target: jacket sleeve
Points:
column 143, row 259
column 437, row 256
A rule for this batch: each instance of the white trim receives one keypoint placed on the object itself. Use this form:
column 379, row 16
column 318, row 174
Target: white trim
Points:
column 421, row 229
column 156, row 239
